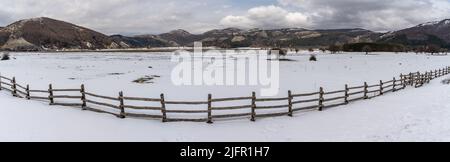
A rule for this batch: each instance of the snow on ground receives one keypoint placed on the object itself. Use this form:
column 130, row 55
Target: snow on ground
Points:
column 109, row 73
column 409, row 115
column 419, row 114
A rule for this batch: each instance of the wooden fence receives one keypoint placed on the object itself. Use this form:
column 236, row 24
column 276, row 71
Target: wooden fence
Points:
column 252, row 108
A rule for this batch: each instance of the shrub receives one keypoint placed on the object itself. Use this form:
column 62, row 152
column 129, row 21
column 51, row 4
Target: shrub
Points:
column 313, row 58
column 5, row 56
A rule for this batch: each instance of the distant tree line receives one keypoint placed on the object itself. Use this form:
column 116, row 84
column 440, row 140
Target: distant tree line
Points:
column 386, row 47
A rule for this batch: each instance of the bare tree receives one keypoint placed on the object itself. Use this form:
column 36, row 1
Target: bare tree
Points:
column 367, row 49
column 334, row 49
column 278, row 51
column 323, row 50
column 433, row 49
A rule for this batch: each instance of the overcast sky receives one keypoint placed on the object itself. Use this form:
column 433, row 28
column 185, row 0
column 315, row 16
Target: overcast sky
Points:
column 196, row 16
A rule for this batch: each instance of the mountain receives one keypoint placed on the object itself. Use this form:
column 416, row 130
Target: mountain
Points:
column 437, row 33
column 180, row 37
column 143, row 41
column 234, row 37
column 289, row 37
column 49, row 34
column 46, row 34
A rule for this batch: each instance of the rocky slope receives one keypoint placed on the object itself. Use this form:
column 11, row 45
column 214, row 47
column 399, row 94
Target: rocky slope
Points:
column 437, row 33
column 292, row 37
column 46, row 34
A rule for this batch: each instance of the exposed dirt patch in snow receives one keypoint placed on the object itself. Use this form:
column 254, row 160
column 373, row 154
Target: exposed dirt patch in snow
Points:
column 446, row 81
column 146, row 79
column 116, row 73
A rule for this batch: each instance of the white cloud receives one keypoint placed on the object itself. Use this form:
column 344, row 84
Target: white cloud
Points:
column 120, row 16
column 156, row 16
column 380, row 15
column 267, row 17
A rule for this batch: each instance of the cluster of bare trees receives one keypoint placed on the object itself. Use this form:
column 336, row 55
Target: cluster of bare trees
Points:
column 432, row 49
column 336, row 48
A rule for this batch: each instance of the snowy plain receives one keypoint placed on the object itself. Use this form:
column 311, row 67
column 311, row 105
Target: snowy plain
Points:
column 109, row 73
column 410, row 115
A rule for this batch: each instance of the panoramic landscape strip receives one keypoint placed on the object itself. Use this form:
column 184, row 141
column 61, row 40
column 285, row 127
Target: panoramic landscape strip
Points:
column 294, row 102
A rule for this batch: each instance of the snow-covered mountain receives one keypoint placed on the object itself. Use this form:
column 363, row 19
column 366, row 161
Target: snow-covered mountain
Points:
column 49, row 34
column 437, row 32
column 45, row 33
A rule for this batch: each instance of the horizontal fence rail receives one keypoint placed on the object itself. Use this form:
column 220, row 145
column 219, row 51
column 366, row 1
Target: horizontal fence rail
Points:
column 250, row 107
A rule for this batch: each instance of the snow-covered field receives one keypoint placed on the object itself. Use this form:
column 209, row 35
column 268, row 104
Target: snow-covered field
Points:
column 113, row 72
column 409, row 115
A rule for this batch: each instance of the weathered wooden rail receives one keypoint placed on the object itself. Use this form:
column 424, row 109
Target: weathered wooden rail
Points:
column 253, row 107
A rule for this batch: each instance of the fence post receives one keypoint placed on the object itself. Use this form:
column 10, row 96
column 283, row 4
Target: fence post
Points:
column 83, row 97
column 253, row 116
column 411, row 79
column 366, row 87
column 423, row 80
column 393, row 84
column 419, row 77
column 435, row 73
column 50, row 94
column 416, row 81
column 210, row 121
column 404, row 82
column 14, row 87
column 347, row 90
column 381, row 87
column 290, row 98
column 321, row 93
column 429, row 76
column 0, row 81
column 121, row 106
column 439, row 73
column 163, row 108
column 401, row 79
column 28, row 92
column 346, row 93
